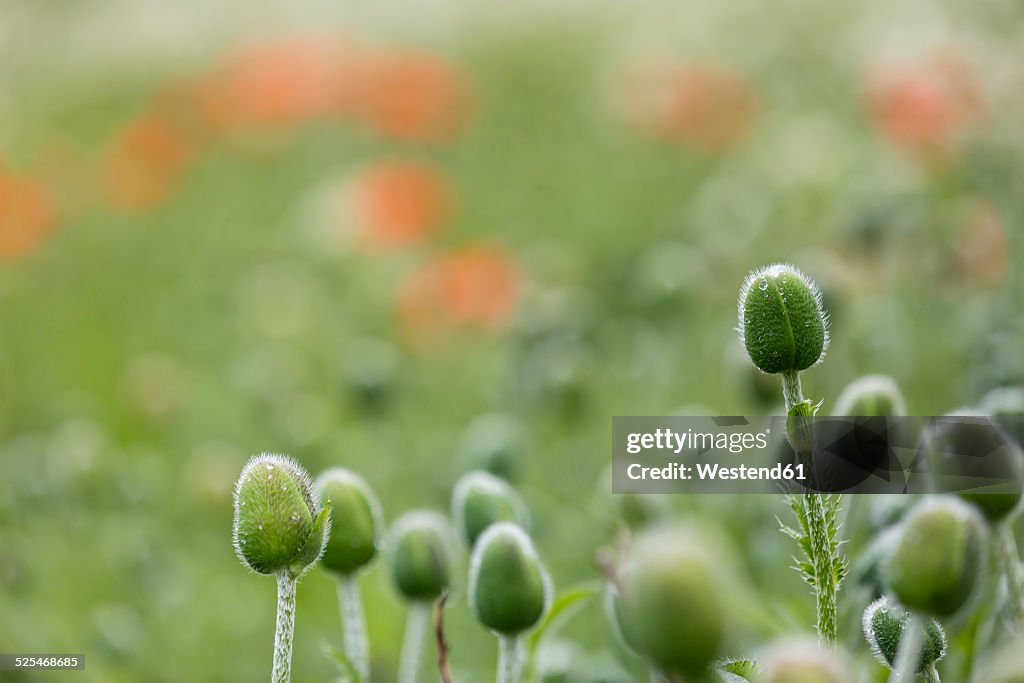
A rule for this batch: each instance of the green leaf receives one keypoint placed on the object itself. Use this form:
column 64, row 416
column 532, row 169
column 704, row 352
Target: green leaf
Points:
column 345, row 667
column 737, row 670
column 563, row 606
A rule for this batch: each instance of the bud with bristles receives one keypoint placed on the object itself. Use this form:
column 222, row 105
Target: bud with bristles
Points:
column 937, row 560
column 421, row 555
column 781, row 320
column 803, row 662
column 480, row 499
column 671, row 606
column 509, row 589
column 355, row 535
column 871, row 396
column 278, row 525
column 884, row 626
column 968, row 447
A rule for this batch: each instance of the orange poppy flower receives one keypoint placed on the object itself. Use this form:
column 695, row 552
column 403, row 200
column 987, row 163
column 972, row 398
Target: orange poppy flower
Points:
column 145, row 163
column 475, row 287
column 28, row 214
column 923, row 106
column 415, row 97
column 707, row 106
column 284, row 83
column 395, row 204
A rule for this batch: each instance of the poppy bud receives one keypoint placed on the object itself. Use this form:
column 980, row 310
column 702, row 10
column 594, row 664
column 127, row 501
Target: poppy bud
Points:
column 355, row 511
column 480, row 499
column 509, row 589
column 781, row 320
column 937, row 559
column 278, row 525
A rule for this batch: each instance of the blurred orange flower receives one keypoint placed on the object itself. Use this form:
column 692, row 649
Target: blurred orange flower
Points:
column 145, row 162
column 708, row 106
column 923, row 106
column 28, row 214
column 283, row 83
column 396, row 203
column 476, row 286
column 415, row 97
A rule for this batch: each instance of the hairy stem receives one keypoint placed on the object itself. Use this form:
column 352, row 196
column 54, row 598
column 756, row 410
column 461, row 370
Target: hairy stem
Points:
column 285, row 631
column 930, row 675
column 825, row 587
column 1009, row 558
column 412, row 643
column 509, row 659
column 353, row 624
column 792, row 391
column 909, row 653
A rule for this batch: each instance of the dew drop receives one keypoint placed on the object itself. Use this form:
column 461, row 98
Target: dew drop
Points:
column 270, row 465
column 763, row 285
column 260, row 527
column 284, row 487
column 295, row 516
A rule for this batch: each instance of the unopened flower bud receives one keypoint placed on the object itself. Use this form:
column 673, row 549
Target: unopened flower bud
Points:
column 885, row 623
column 421, row 555
column 509, row 589
column 355, row 513
column 781, row 320
column 279, row 526
column 480, row 499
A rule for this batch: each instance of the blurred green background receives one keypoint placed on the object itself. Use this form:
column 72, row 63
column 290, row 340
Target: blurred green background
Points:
column 345, row 232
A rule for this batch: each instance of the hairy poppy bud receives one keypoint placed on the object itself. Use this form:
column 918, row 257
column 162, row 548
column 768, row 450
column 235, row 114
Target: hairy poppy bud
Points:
column 781, row 320
column 421, row 555
column 937, row 559
column 884, row 626
column 480, row 499
column 965, row 449
column 279, row 526
column 670, row 602
column 356, row 529
column 509, row 589
column 803, row 662
column 871, row 396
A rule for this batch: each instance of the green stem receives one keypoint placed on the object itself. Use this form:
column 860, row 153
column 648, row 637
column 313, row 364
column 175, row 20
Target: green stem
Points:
column 930, row 675
column 412, row 642
column 825, row 588
column 909, row 652
column 284, row 634
column 353, row 624
column 819, row 529
column 509, row 659
column 1009, row 558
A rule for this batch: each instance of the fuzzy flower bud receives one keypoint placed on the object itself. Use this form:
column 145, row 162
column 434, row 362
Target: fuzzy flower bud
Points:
column 937, row 560
column 885, row 623
column 279, row 526
column 421, row 555
column 871, row 396
column 670, row 602
column 781, row 320
column 509, row 589
column 355, row 533
column 480, row 499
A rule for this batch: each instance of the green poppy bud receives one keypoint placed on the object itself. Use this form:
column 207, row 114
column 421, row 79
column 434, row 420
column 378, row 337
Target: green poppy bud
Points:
column 1006, row 404
column 670, row 601
column 495, row 443
column 480, row 499
column 781, row 320
column 356, row 528
column 969, row 446
column 885, row 623
column 509, row 589
column 937, row 560
column 804, row 662
column 279, row 526
column 421, row 555
column 871, row 396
